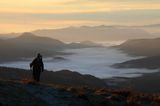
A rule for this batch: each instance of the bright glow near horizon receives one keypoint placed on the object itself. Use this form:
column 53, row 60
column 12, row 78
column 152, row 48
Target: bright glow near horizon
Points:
column 27, row 15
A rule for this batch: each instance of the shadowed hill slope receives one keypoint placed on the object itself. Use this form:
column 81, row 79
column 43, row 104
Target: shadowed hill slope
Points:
column 147, row 62
column 27, row 45
column 142, row 47
column 63, row 77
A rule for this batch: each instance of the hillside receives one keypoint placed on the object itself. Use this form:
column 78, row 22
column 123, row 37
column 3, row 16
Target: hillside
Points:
column 90, row 43
column 75, row 90
column 28, row 45
column 63, row 77
column 19, row 94
column 150, row 48
column 141, row 47
column 147, row 62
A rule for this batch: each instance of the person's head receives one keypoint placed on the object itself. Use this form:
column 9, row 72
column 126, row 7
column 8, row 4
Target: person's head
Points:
column 39, row 55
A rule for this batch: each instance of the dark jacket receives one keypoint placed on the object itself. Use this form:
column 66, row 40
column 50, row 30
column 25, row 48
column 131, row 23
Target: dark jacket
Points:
column 37, row 64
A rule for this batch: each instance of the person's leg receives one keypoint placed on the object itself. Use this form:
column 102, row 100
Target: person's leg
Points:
column 38, row 76
column 34, row 75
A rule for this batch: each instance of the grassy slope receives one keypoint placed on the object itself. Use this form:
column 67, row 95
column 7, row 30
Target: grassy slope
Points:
column 30, row 94
column 64, row 77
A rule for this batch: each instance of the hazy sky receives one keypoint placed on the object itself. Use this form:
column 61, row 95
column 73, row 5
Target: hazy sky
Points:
column 27, row 15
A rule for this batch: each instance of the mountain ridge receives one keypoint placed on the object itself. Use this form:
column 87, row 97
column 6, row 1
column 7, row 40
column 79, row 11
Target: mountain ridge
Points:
column 95, row 33
column 152, row 62
column 104, row 32
column 141, row 47
column 27, row 44
column 148, row 48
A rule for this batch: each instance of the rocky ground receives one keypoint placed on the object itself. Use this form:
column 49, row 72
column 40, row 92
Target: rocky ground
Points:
column 32, row 94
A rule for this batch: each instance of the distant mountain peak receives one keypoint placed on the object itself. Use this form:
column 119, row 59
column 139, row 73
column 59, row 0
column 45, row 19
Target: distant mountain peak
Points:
column 27, row 35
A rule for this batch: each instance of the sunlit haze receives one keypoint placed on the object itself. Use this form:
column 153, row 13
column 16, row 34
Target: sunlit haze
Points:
column 28, row 15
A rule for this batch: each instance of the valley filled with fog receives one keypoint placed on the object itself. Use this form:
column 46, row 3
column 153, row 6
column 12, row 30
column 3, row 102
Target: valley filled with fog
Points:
column 95, row 61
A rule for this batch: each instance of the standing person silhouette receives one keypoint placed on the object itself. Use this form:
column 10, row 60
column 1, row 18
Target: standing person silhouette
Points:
column 37, row 67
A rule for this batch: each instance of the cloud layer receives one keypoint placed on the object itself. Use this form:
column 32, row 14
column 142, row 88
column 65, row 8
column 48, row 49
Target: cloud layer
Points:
column 26, row 15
